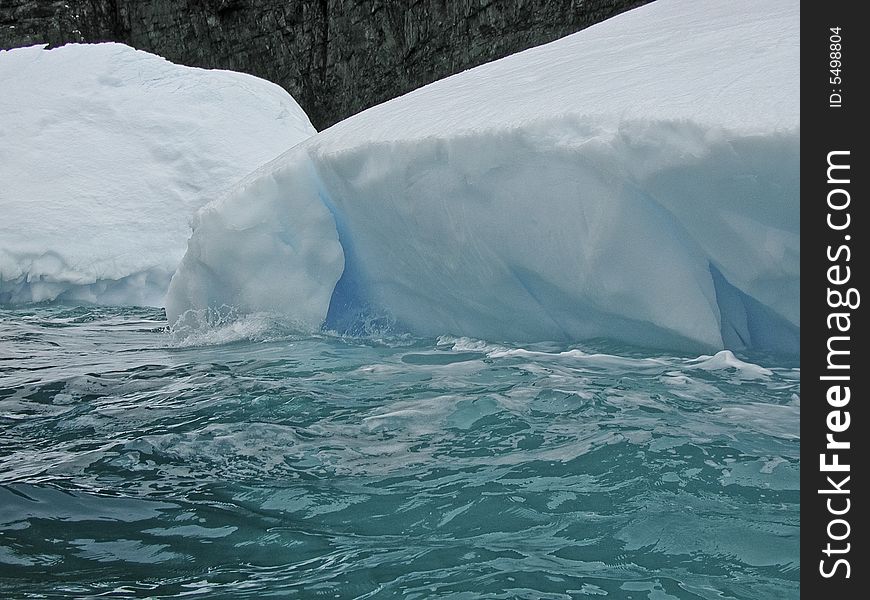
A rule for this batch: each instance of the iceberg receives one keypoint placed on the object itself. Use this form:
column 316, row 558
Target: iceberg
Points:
column 106, row 153
column 638, row 180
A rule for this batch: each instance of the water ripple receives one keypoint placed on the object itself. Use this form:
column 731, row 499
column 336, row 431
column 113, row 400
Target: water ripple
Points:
column 274, row 463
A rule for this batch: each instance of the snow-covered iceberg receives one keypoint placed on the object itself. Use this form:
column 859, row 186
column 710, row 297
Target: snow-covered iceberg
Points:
column 637, row 180
column 107, row 152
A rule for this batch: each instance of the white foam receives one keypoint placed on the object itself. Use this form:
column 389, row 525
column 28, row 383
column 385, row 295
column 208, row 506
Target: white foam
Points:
column 725, row 360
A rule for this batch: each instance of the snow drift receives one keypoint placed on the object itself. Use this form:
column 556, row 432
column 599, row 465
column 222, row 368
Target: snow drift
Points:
column 106, row 153
column 638, row 180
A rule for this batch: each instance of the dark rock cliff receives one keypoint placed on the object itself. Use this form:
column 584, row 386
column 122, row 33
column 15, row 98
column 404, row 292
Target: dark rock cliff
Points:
column 336, row 57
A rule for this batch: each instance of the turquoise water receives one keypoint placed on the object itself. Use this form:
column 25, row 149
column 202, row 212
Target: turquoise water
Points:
column 252, row 463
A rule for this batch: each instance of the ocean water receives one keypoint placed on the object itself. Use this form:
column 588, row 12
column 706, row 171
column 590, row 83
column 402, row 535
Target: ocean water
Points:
column 252, row 462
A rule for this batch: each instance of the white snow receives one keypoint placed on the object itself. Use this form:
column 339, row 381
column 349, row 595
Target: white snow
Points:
column 105, row 155
column 638, row 180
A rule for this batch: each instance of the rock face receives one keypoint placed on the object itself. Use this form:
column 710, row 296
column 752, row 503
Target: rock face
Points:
column 336, row 57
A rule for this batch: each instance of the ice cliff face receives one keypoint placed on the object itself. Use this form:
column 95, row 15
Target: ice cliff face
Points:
column 336, row 57
column 106, row 153
column 638, row 180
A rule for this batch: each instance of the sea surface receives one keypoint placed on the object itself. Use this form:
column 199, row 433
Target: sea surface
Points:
column 254, row 462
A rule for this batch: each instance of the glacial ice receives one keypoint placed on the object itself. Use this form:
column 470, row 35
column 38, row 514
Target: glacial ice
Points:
column 107, row 152
column 638, row 180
